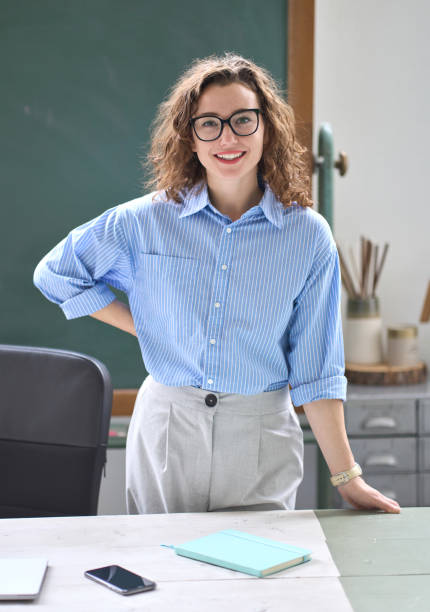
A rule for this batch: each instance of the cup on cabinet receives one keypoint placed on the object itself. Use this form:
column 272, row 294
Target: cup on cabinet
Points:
column 402, row 345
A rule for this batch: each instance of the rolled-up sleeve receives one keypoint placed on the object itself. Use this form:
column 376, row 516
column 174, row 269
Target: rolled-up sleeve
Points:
column 76, row 273
column 316, row 354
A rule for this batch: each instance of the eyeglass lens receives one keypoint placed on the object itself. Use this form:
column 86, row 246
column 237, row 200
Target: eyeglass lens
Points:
column 243, row 123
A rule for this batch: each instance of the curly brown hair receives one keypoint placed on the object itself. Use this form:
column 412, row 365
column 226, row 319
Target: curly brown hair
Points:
column 171, row 163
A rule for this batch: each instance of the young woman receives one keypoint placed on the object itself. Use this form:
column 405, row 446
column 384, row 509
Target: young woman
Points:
column 234, row 294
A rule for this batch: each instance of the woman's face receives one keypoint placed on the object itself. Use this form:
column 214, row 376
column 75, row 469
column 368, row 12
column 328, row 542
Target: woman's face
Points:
column 222, row 101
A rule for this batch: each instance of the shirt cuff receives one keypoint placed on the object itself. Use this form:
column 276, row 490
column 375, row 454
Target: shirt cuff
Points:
column 89, row 301
column 327, row 388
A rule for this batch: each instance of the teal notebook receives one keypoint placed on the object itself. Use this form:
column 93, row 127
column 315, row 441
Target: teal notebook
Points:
column 244, row 552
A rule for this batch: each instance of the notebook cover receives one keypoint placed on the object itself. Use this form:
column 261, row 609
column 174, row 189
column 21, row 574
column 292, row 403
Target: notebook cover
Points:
column 243, row 552
column 21, row 578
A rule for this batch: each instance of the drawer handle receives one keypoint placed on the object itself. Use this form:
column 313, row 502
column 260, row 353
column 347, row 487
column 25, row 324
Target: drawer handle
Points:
column 381, row 460
column 381, row 421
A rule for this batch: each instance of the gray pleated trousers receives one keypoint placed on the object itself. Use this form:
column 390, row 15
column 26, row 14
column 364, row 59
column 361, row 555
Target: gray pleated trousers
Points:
column 243, row 452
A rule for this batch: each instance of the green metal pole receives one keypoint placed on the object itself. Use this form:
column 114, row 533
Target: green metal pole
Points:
column 325, row 173
column 325, row 208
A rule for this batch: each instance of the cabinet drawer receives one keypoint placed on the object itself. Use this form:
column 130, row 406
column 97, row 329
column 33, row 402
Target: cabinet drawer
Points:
column 401, row 487
column 385, row 454
column 376, row 417
column 424, row 453
column 424, row 415
column 424, row 489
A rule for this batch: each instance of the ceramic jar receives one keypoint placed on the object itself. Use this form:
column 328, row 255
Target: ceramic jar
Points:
column 402, row 345
column 363, row 331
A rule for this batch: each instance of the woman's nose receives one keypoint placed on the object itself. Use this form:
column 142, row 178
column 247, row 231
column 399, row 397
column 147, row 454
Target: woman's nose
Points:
column 227, row 134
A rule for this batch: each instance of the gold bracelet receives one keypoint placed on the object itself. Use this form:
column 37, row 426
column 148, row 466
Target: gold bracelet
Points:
column 346, row 476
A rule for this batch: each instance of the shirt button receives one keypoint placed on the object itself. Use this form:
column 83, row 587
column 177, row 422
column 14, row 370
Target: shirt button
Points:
column 228, row 230
column 212, row 341
column 223, row 267
column 210, row 381
column 217, row 304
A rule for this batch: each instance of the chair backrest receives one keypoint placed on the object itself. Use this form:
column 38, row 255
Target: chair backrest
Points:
column 55, row 409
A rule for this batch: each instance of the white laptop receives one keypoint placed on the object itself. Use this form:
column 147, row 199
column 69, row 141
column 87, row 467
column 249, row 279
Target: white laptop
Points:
column 21, row 578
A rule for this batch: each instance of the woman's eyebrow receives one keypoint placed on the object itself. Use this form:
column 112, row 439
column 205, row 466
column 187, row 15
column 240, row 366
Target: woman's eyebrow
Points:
column 208, row 114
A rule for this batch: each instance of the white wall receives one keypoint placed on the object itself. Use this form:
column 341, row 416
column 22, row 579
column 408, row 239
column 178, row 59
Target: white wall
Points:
column 372, row 66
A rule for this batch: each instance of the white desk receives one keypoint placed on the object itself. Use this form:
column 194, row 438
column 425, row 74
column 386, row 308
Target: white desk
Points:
column 76, row 544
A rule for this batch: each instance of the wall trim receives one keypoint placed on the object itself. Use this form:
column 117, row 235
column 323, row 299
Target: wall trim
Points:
column 300, row 69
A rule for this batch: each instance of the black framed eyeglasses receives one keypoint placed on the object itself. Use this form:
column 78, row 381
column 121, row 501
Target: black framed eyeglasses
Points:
column 242, row 122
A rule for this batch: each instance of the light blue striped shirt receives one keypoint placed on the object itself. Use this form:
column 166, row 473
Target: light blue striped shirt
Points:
column 234, row 307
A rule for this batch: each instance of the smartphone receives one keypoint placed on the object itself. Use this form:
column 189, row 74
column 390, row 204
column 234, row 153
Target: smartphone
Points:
column 120, row 580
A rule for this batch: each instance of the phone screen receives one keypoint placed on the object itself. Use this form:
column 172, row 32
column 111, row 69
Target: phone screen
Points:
column 120, row 579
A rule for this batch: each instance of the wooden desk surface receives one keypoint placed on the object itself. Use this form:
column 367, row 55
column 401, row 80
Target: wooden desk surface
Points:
column 361, row 561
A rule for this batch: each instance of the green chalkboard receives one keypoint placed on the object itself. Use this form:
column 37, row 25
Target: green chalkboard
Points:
column 81, row 80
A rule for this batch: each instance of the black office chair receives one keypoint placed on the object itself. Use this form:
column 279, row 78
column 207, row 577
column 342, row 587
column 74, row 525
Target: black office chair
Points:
column 55, row 409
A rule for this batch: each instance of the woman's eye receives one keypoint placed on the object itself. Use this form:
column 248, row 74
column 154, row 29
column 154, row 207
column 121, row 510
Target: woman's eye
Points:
column 209, row 123
column 242, row 120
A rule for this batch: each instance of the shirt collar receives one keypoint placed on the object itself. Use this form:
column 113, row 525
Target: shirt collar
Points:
column 271, row 207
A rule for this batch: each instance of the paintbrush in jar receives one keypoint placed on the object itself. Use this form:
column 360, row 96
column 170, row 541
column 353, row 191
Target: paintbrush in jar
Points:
column 367, row 274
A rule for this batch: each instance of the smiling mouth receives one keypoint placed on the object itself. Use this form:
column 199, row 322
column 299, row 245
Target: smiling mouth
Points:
column 230, row 156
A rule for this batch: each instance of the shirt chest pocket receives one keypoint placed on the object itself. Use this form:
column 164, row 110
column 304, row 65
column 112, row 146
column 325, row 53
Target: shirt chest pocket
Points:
column 169, row 289
column 167, row 274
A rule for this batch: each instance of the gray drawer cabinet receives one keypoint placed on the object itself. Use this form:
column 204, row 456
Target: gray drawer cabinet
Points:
column 385, row 455
column 424, row 416
column 424, row 489
column 389, row 433
column 376, row 418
